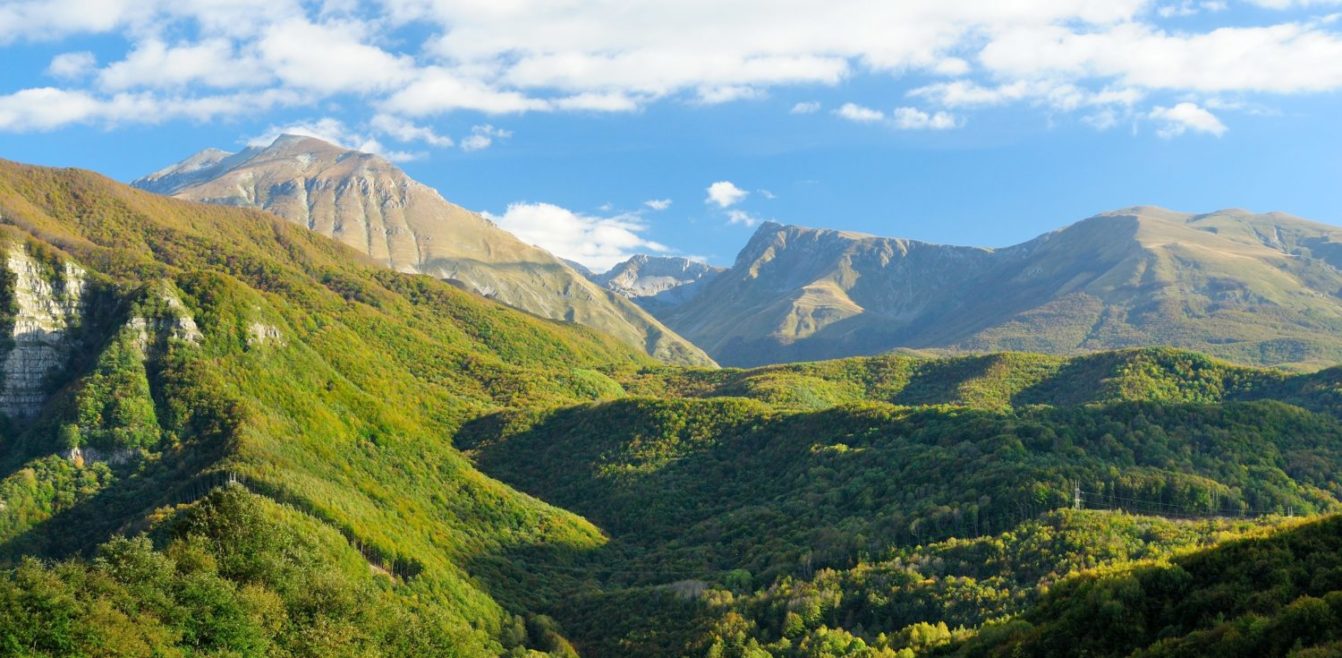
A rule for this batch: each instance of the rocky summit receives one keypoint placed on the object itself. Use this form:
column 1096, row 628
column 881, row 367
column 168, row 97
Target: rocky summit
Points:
column 367, row 203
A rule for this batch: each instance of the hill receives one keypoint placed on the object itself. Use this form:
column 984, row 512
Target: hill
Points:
column 725, row 512
column 159, row 349
column 372, row 206
column 1256, row 289
column 1273, row 595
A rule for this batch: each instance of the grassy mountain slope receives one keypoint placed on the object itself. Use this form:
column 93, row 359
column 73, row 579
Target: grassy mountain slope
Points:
column 215, row 343
column 372, row 206
column 1258, row 289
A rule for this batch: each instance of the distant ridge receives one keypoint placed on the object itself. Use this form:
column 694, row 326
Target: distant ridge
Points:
column 369, row 204
column 1254, row 288
column 657, row 281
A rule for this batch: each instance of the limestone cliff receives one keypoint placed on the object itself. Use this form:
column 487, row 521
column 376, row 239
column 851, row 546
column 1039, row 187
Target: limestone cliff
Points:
column 46, row 306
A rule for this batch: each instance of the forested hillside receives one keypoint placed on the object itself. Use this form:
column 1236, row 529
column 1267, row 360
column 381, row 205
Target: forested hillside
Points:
column 161, row 348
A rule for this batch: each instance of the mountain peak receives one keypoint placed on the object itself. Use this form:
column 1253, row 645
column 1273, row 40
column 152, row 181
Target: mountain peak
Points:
column 370, row 205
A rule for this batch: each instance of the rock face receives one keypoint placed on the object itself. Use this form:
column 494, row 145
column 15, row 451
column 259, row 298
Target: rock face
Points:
column 658, row 282
column 46, row 305
column 1261, row 289
column 367, row 203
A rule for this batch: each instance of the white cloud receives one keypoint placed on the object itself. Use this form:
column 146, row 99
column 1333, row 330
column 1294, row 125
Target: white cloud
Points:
column 1285, row 58
column 48, row 108
column 482, row 137
column 741, row 217
column 45, row 108
column 1293, row 4
column 331, row 58
column 912, row 118
column 599, row 243
column 404, row 131
column 1050, row 93
column 437, row 90
column 727, row 94
column 421, row 58
column 597, row 102
column 72, row 65
column 725, row 193
column 334, row 131
column 858, row 113
column 658, row 204
column 1184, row 117
column 210, row 63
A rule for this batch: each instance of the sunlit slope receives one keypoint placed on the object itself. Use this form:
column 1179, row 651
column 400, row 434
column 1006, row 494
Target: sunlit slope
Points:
column 160, row 348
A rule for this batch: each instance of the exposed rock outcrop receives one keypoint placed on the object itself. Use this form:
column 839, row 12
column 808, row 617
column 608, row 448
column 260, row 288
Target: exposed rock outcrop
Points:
column 47, row 305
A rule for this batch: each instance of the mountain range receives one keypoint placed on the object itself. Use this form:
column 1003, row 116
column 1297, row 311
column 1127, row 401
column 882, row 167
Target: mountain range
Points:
column 1255, row 288
column 1262, row 289
column 365, row 202
column 222, row 433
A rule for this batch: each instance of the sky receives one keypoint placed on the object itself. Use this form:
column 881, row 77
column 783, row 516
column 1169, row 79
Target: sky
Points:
column 603, row 128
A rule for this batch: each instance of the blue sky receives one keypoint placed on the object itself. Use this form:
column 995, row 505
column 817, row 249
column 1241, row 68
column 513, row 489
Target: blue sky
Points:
column 962, row 121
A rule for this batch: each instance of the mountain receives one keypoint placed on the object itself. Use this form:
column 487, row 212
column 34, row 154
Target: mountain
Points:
column 224, row 434
column 265, row 415
column 1260, row 289
column 367, row 203
column 658, row 281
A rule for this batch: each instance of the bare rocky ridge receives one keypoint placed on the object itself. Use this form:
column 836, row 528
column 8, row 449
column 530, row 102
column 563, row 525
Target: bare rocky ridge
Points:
column 369, row 204
column 658, row 281
column 1261, row 289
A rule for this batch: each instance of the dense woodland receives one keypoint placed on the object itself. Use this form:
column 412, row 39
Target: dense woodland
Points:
column 283, row 450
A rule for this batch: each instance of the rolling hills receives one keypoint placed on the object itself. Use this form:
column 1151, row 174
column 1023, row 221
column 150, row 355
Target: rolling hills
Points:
column 1257, row 289
column 365, row 202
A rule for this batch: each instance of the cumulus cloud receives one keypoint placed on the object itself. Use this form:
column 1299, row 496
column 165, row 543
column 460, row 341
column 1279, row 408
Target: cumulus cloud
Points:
column 741, row 217
column 912, row 118
column 1177, row 120
column 402, row 130
column 858, row 113
column 72, row 65
column 421, row 58
column 658, row 204
column 211, row 63
column 598, row 243
column 334, row 131
column 482, row 137
column 725, row 193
